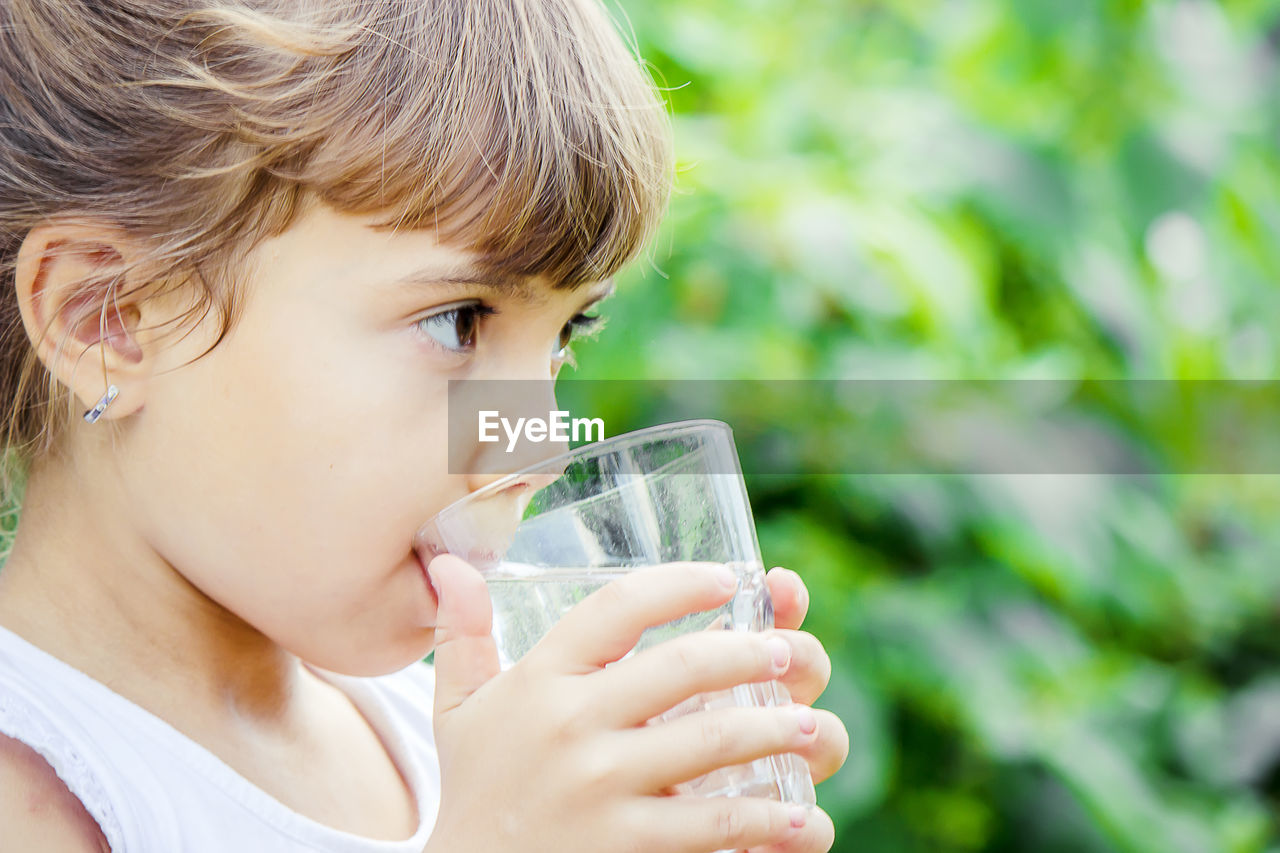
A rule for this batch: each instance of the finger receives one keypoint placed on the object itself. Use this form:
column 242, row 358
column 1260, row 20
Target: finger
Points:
column 608, row 623
column 817, row 836
column 827, row 750
column 660, row 678
column 810, row 668
column 697, row 824
column 790, row 597
column 466, row 656
column 667, row 754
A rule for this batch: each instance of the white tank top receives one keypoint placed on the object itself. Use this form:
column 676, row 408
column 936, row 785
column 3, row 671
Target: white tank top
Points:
column 154, row 790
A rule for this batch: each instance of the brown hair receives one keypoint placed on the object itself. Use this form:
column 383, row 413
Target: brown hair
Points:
column 523, row 130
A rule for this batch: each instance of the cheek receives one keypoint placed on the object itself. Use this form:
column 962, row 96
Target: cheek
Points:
column 301, row 486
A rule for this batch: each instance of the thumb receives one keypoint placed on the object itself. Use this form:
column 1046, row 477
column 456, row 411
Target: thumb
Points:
column 466, row 656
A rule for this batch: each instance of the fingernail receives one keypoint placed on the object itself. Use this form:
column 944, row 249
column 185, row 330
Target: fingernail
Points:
column 806, row 720
column 798, row 816
column 726, row 577
column 780, row 651
column 431, row 579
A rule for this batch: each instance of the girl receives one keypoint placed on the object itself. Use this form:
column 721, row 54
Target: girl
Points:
column 251, row 242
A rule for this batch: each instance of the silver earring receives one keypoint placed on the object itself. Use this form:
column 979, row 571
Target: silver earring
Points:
column 93, row 414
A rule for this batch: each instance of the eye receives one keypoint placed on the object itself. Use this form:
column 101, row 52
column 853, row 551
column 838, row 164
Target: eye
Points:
column 455, row 329
column 577, row 324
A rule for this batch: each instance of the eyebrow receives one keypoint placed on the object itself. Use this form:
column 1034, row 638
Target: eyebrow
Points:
column 507, row 284
column 600, row 295
column 500, row 281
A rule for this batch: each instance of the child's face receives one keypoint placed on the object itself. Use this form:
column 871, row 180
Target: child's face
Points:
column 285, row 472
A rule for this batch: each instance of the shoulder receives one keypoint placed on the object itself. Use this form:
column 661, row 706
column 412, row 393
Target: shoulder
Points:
column 37, row 811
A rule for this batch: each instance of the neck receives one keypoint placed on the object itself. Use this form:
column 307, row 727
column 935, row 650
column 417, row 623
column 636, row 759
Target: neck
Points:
column 84, row 586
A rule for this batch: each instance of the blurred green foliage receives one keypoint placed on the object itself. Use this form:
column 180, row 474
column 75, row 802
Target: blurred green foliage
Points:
column 994, row 189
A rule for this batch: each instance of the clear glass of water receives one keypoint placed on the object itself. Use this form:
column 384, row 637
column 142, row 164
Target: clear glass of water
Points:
column 667, row 494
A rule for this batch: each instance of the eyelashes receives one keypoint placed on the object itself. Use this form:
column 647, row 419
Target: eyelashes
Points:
column 578, row 325
column 457, row 328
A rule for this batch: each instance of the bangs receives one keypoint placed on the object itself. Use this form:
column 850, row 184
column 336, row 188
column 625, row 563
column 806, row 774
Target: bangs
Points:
column 526, row 133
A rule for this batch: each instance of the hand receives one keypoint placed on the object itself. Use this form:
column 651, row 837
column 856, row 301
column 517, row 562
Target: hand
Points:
column 554, row 754
column 809, row 672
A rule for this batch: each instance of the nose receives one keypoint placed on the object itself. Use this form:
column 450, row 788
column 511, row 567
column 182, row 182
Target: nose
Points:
column 522, row 486
column 492, row 431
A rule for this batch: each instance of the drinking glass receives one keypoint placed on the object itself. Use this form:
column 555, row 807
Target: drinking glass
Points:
column 549, row 535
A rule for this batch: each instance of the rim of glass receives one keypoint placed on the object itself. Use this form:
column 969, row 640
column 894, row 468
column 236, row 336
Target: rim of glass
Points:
column 595, row 448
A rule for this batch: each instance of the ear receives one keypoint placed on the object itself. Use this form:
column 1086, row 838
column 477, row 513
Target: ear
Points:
column 81, row 302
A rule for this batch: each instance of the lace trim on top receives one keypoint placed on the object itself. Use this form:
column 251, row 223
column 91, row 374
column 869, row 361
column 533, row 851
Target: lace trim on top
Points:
column 22, row 721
